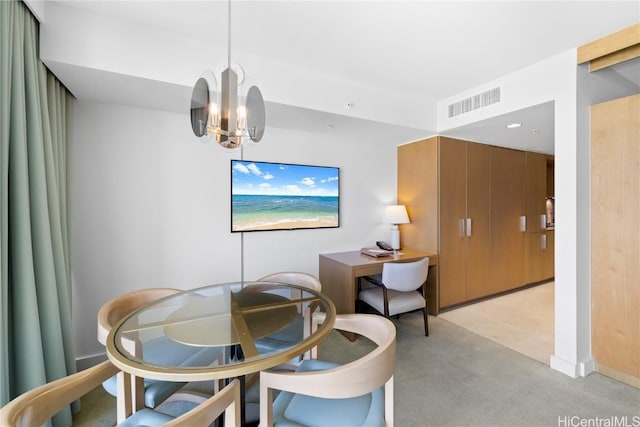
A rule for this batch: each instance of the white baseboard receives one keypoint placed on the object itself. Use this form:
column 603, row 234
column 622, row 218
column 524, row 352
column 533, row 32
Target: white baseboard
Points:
column 85, row 362
column 564, row 366
column 586, row 367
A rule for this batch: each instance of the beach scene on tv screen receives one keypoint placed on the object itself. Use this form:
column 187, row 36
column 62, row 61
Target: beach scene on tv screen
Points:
column 278, row 196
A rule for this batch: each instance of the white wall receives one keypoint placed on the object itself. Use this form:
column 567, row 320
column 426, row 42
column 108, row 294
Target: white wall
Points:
column 150, row 206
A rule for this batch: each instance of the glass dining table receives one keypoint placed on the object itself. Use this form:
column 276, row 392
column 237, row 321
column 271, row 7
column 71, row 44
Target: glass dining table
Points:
column 227, row 330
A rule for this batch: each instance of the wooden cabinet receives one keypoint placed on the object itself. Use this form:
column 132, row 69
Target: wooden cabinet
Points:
column 417, row 190
column 452, row 213
column 507, row 216
column 539, row 254
column 465, row 201
column 464, row 214
column 615, row 238
column 537, row 192
column 539, row 259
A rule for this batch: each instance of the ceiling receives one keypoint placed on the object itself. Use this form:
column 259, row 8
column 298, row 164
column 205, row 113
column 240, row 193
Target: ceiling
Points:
column 431, row 49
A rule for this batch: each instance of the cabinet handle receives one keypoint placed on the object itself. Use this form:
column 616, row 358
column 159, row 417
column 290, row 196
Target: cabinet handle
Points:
column 523, row 223
column 543, row 242
column 543, row 222
column 468, row 227
column 462, row 232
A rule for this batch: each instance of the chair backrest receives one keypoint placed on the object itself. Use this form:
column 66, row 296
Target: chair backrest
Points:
column 405, row 276
column 37, row 406
column 355, row 378
column 369, row 372
column 40, row 404
column 295, row 278
column 361, row 376
column 226, row 400
column 117, row 308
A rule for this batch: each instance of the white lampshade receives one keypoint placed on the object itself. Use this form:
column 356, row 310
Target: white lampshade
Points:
column 395, row 214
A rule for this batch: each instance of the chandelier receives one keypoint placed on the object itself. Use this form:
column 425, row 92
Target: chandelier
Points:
column 232, row 114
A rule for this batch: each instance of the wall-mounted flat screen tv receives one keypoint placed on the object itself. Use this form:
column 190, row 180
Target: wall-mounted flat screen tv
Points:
column 280, row 196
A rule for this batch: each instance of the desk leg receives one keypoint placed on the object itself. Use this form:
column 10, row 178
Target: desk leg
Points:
column 356, row 306
column 349, row 335
column 338, row 283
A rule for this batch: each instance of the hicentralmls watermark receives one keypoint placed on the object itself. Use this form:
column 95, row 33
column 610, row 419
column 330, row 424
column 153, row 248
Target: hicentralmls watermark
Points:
column 613, row 421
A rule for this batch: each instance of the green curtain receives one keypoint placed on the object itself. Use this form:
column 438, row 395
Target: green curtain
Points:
column 36, row 342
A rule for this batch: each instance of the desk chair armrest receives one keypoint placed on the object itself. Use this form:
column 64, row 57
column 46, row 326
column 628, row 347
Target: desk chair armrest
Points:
column 374, row 281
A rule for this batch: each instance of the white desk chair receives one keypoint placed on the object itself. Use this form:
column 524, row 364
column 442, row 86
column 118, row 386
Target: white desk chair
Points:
column 397, row 291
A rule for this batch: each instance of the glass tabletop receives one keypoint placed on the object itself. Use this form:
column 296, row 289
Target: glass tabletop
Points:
column 219, row 331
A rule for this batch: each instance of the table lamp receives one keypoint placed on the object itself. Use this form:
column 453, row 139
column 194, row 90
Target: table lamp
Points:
column 395, row 214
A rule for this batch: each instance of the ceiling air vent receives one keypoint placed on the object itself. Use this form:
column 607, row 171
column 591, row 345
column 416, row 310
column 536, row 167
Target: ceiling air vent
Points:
column 474, row 102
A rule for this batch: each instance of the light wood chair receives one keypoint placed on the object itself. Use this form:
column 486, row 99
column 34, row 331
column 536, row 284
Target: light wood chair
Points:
column 143, row 392
column 315, row 394
column 36, row 406
column 117, row 308
column 290, row 335
column 295, row 278
column 397, row 291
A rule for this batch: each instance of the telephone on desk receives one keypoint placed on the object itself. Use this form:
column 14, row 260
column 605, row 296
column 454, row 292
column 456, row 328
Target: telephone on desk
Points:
column 384, row 245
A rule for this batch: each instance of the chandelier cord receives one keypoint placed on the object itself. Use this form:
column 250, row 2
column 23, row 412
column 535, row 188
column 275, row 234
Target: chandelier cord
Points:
column 229, row 36
column 239, row 113
column 242, row 234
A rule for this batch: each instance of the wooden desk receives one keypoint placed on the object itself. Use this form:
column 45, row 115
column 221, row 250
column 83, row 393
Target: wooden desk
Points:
column 339, row 272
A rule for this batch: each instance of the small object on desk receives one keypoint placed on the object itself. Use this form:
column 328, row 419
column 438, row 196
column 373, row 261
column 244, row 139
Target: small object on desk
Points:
column 384, row 246
column 375, row 252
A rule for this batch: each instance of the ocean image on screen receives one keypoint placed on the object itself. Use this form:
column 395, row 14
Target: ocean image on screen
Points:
column 276, row 196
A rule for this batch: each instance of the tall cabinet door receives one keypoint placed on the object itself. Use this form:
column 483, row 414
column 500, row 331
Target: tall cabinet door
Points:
column 615, row 237
column 507, row 208
column 479, row 199
column 539, row 241
column 418, row 191
column 452, row 203
column 536, row 191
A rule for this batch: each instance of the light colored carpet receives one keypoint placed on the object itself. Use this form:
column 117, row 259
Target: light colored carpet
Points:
column 457, row 378
column 522, row 321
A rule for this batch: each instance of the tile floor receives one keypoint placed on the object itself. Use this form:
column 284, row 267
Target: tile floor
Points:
column 522, row 321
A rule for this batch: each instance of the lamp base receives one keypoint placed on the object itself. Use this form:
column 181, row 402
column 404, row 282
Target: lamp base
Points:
column 395, row 238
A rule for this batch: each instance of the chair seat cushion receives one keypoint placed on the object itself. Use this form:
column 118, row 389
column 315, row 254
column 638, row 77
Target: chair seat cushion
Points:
column 166, row 351
column 155, row 392
column 291, row 409
column 146, row 418
column 283, row 339
column 399, row 302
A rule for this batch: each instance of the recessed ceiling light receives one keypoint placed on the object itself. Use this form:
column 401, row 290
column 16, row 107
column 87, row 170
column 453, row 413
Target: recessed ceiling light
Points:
column 513, row 125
